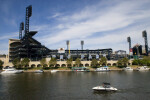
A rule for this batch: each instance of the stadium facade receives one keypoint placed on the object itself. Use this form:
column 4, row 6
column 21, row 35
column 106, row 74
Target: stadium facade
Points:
column 28, row 47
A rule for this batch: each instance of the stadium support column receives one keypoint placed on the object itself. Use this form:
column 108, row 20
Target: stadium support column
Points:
column 129, row 40
column 144, row 33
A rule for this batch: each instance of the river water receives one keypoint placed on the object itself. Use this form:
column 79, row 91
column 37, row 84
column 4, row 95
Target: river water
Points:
column 75, row 86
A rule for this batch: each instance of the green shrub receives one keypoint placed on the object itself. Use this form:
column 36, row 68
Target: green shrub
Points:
column 46, row 68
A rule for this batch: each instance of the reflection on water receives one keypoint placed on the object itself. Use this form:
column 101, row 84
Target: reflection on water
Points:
column 74, row 85
column 106, row 93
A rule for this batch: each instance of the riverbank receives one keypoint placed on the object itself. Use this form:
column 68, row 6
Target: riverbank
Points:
column 112, row 68
column 117, row 68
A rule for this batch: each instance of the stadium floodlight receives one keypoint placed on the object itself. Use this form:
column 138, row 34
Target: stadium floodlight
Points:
column 144, row 34
column 128, row 39
column 67, row 42
column 82, row 43
column 29, row 10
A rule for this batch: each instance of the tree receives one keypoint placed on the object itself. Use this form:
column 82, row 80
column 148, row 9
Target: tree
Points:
column 1, row 64
column 53, row 61
column 141, row 62
column 69, row 61
column 25, row 62
column 43, row 61
column 125, row 61
column 135, row 62
column 148, row 63
column 119, row 63
column 103, row 61
column 94, row 63
column 16, row 62
column 146, row 60
column 78, row 62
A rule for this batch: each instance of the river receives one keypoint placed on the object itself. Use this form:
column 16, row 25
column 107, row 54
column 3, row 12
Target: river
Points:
column 75, row 86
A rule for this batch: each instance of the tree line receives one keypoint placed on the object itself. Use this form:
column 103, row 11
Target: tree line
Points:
column 24, row 63
column 53, row 62
column 142, row 62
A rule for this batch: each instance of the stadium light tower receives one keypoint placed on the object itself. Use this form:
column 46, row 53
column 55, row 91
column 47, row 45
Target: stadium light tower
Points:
column 82, row 43
column 26, row 37
column 68, row 45
column 28, row 15
column 21, row 29
column 144, row 34
column 129, row 40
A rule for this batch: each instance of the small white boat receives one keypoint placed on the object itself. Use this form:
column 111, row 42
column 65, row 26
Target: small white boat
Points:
column 102, row 69
column 81, row 69
column 128, row 69
column 104, row 87
column 53, row 71
column 11, row 70
column 39, row 71
column 143, row 68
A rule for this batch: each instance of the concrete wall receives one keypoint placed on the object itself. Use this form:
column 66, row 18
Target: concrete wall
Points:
column 59, row 63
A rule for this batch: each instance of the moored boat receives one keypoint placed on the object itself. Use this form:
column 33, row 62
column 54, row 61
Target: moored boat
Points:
column 10, row 70
column 102, row 69
column 80, row 69
column 143, row 68
column 128, row 69
column 39, row 71
column 53, row 71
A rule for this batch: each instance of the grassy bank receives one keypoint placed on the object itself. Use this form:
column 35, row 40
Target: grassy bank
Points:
column 69, row 68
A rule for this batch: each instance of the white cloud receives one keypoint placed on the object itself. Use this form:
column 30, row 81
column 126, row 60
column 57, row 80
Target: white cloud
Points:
column 104, row 25
column 85, row 24
column 10, row 35
column 54, row 16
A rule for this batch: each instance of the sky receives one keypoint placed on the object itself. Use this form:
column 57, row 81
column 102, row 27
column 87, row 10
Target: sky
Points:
column 100, row 23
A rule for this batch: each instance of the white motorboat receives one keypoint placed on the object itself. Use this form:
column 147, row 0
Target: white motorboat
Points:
column 128, row 69
column 39, row 71
column 104, row 87
column 81, row 69
column 53, row 71
column 143, row 68
column 11, row 70
column 102, row 69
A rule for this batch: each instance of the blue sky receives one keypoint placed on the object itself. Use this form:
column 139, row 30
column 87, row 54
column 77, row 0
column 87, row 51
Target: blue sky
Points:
column 100, row 23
